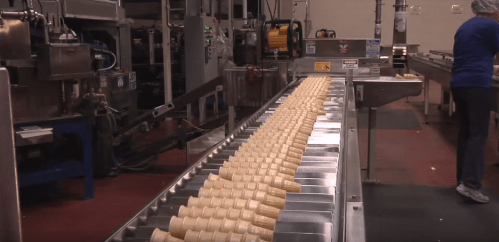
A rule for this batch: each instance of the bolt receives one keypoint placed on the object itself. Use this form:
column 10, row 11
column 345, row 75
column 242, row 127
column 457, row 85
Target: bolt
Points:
column 354, row 196
column 355, row 207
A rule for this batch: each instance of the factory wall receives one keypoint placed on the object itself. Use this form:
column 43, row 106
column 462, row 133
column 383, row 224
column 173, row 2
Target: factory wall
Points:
column 434, row 28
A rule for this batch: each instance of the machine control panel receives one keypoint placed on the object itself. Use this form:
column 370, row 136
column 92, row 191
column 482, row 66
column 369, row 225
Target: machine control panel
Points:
column 200, row 50
column 209, row 45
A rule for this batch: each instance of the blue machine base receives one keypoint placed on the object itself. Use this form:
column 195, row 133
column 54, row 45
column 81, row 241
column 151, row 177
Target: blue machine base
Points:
column 67, row 169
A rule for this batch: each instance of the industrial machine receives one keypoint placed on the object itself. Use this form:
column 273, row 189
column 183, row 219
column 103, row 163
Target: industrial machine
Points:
column 325, row 33
column 282, row 39
column 437, row 66
column 329, row 205
column 96, row 96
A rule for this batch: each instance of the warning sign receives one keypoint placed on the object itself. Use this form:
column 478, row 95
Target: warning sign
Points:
column 310, row 48
column 375, row 68
column 350, row 64
column 343, row 47
column 322, row 66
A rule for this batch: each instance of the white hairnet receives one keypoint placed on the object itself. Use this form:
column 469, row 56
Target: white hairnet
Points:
column 485, row 6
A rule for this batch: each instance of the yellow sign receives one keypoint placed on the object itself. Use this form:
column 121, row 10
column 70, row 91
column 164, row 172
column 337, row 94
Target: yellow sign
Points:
column 322, row 66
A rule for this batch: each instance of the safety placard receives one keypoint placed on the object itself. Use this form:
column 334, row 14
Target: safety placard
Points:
column 310, row 47
column 120, row 81
column 350, row 64
column 375, row 68
column 103, row 82
column 322, row 66
column 132, row 80
column 373, row 49
column 343, row 48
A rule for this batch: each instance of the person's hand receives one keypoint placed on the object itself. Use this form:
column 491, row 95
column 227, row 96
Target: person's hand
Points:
column 496, row 70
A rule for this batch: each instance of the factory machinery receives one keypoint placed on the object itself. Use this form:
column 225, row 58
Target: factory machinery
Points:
column 291, row 172
column 437, row 66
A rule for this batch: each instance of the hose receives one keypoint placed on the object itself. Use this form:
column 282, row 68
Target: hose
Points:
column 107, row 52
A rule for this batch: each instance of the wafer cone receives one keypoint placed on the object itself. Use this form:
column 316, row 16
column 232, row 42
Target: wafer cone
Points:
column 245, row 194
column 260, row 165
column 179, row 227
column 238, row 203
column 229, row 213
column 204, row 236
column 162, row 236
column 227, row 173
column 277, row 182
column 222, row 183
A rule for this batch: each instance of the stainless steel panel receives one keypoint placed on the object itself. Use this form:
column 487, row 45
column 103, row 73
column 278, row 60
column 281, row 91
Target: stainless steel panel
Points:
column 302, row 237
column 445, row 53
column 439, row 72
column 200, row 55
column 378, row 92
column 357, row 48
column 202, row 144
column 239, row 92
column 355, row 225
column 307, row 216
column 10, row 220
column 306, row 67
column 309, row 206
column 64, row 62
column 15, row 41
column 309, row 227
column 90, row 9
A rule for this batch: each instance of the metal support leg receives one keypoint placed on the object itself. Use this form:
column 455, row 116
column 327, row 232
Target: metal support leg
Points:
column 232, row 117
column 215, row 105
column 451, row 105
column 371, row 146
column 189, row 112
column 426, row 98
column 10, row 219
column 202, row 109
column 81, row 129
column 442, row 94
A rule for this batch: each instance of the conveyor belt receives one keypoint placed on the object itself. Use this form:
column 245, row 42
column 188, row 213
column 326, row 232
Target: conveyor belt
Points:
column 311, row 215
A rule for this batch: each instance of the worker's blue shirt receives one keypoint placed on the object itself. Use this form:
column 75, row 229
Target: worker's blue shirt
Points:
column 476, row 43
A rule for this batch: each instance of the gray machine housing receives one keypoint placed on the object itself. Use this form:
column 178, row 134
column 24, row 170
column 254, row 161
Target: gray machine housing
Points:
column 200, row 51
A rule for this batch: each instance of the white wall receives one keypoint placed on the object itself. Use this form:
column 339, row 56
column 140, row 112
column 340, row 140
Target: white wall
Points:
column 433, row 29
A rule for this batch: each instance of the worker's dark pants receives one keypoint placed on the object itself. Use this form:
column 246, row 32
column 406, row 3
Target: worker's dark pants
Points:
column 473, row 113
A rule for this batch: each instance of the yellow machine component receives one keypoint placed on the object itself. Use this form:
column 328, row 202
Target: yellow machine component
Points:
column 278, row 38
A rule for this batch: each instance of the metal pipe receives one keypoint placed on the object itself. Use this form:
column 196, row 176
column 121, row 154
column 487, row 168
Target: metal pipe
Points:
column 26, row 15
column 377, row 29
column 231, row 20
column 307, row 13
column 279, row 9
column 29, row 3
column 400, row 5
column 167, row 67
column 152, row 57
column 245, row 11
column 400, row 22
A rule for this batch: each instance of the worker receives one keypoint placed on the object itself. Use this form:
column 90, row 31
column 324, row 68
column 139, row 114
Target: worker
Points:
column 476, row 44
